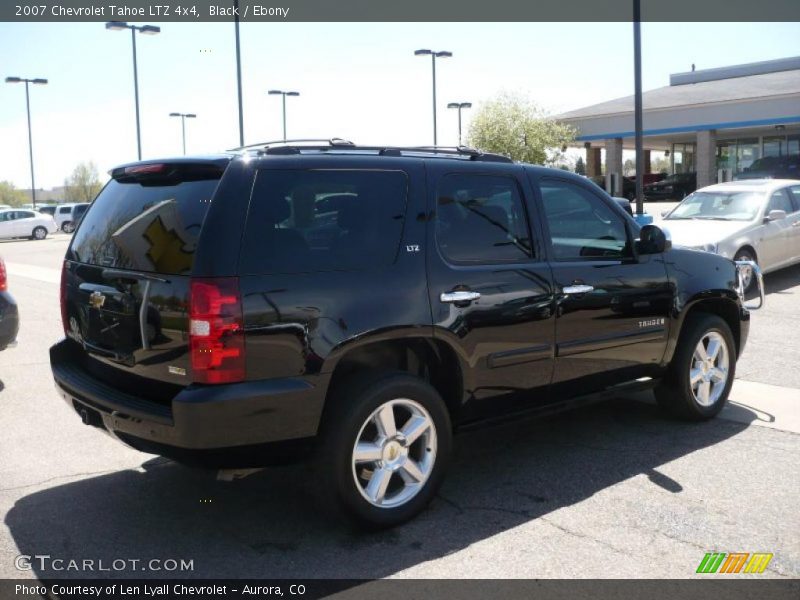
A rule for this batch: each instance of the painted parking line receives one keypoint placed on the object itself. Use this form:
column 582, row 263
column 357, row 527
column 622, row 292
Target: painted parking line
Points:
column 46, row 274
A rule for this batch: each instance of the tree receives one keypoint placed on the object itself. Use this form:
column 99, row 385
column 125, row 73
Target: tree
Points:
column 84, row 183
column 11, row 195
column 516, row 127
column 660, row 165
column 580, row 166
column 629, row 167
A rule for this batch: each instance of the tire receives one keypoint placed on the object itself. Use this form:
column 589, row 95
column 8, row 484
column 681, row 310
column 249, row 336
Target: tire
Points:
column 39, row 233
column 706, row 397
column 67, row 227
column 746, row 254
column 354, row 420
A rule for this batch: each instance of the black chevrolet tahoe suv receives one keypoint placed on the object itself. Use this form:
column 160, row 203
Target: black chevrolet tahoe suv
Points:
column 358, row 304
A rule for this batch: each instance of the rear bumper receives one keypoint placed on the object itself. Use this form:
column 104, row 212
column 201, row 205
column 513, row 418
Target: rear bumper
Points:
column 9, row 320
column 234, row 425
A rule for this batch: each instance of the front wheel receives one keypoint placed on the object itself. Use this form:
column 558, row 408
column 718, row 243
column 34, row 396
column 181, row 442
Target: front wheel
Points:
column 385, row 448
column 67, row 227
column 701, row 373
column 748, row 276
column 39, row 233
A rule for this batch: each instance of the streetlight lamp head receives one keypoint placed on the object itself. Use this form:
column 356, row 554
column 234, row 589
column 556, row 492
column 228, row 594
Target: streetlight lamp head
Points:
column 422, row 52
column 149, row 30
column 443, row 54
column 39, row 81
column 174, row 114
column 190, row 116
column 466, row 105
column 13, row 80
column 117, row 25
column 453, row 105
column 292, row 93
column 274, row 92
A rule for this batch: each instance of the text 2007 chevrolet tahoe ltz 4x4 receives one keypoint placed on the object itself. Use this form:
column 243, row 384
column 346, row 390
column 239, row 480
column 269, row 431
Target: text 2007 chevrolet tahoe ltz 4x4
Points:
column 359, row 304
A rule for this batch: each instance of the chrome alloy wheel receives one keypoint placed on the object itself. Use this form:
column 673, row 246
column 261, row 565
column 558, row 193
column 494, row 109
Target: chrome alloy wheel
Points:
column 391, row 465
column 709, row 368
column 746, row 272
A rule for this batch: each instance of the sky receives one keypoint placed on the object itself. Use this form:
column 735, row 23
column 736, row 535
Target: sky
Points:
column 358, row 81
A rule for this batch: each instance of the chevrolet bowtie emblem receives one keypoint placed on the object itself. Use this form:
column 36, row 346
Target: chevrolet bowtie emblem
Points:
column 96, row 300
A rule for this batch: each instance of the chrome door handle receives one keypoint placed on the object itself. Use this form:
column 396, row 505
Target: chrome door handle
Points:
column 796, row 224
column 461, row 296
column 577, row 289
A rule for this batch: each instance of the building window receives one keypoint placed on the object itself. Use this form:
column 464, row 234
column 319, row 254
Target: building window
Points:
column 683, row 158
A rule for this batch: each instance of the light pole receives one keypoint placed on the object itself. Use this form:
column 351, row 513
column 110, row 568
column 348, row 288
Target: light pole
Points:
column 434, row 55
column 283, row 94
column 238, row 71
column 459, row 106
column 146, row 30
column 37, row 81
column 183, row 117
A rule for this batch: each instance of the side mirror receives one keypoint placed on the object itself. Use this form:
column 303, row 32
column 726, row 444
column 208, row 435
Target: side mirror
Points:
column 652, row 240
column 775, row 215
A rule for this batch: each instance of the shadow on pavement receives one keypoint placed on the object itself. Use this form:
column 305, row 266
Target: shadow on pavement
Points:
column 269, row 525
column 778, row 281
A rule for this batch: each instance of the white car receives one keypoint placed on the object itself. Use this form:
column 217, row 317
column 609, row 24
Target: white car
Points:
column 19, row 222
column 755, row 219
column 69, row 215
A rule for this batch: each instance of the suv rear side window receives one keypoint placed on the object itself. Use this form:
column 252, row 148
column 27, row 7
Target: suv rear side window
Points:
column 480, row 218
column 303, row 221
column 148, row 226
column 582, row 225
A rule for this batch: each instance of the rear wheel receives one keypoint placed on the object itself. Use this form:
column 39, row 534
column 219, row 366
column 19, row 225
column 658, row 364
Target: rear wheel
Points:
column 39, row 233
column 67, row 227
column 385, row 449
column 702, row 370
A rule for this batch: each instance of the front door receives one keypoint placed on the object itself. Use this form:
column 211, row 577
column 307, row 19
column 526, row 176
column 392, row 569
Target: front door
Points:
column 613, row 307
column 490, row 288
column 776, row 248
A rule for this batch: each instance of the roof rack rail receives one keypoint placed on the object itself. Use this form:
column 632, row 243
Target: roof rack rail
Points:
column 331, row 142
column 284, row 147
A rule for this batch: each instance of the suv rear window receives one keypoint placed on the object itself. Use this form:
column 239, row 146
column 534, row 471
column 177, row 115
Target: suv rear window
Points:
column 303, row 221
column 147, row 225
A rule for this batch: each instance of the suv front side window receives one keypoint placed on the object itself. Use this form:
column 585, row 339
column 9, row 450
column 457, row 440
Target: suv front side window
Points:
column 582, row 226
column 480, row 218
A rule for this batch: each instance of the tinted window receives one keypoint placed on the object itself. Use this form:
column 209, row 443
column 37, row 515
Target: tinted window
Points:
column 147, row 227
column 780, row 201
column 7, row 216
column 581, row 224
column 24, row 214
column 480, row 218
column 64, row 210
column 79, row 210
column 794, row 192
column 303, row 221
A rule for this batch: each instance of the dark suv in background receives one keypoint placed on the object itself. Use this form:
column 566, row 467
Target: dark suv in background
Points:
column 672, row 187
column 361, row 303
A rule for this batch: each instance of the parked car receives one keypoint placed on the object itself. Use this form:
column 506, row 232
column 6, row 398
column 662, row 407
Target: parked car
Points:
column 48, row 209
column 9, row 316
column 19, row 223
column 359, row 304
column 68, row 215
column 773, row 167
column 757, row 220
column 672, row 187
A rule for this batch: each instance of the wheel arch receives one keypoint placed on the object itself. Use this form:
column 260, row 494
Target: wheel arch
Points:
column 431, row 359
column 725, row 307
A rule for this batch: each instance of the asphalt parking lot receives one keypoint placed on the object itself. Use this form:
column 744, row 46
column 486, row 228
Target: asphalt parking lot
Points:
column 614, row 490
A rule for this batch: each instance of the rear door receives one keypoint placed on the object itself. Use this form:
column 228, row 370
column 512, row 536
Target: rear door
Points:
column 127, row 272
column 490, row 286
column 24, row 222
column 612, row 307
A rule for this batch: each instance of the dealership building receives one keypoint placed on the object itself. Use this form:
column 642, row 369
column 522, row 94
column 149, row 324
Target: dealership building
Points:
column 714, row 122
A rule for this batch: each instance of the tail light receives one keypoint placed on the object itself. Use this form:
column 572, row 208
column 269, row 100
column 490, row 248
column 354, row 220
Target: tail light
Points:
column 62, row 298
column 216, row 333
column 3, row 276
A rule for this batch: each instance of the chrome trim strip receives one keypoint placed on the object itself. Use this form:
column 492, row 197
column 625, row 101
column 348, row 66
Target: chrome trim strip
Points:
column 759, row 281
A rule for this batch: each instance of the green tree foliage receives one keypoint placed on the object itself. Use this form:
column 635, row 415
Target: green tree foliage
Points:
column 84, row 183
column 516, row 127
column 11, row 195
column 580, row 166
